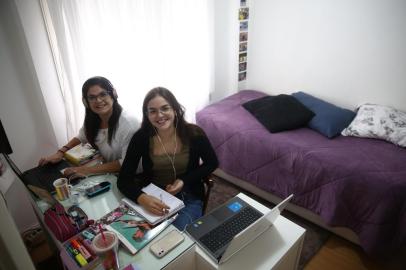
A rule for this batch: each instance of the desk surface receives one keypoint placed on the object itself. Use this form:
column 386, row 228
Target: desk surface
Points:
column 100, row 205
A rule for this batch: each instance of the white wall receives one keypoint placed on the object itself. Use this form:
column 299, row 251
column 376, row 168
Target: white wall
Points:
column 22, row 109
column 226, row 28
column 347, row 52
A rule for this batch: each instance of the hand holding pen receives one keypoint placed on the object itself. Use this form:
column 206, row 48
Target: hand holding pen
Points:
column 152, row 204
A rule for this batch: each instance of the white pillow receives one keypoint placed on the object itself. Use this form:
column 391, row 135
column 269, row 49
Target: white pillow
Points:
column 379, row 122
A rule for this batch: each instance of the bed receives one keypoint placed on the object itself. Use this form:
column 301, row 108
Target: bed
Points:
column 353, row 186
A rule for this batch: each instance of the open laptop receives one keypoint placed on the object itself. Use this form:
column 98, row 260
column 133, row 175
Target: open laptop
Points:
column 232, row 226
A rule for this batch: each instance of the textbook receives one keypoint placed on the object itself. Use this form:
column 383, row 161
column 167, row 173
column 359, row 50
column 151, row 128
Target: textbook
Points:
column 173, row 202
column 135, row 232
column 80, row 154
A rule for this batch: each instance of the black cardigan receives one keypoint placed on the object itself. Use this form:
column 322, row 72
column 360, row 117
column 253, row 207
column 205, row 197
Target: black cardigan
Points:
column 199, row 148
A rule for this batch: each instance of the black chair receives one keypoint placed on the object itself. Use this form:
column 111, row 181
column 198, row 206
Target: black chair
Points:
column 208, row 184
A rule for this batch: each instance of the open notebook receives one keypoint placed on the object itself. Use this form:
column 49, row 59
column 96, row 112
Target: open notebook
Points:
column 173, row 202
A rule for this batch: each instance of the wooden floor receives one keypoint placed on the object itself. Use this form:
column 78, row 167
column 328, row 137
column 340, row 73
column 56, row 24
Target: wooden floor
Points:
column 339, row 254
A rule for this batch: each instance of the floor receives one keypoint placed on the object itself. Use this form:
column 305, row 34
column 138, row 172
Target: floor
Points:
column 336, row 254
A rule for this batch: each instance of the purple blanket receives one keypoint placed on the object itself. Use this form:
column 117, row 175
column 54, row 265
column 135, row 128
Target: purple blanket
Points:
column 352, row 182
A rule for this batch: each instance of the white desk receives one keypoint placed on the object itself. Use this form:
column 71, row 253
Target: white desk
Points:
column 277, row 248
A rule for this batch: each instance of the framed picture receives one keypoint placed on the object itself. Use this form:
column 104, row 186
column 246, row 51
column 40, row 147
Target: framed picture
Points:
column 243, row 36
column 242, row 67
column 243, row 26
column 243, row 13
column 243, row 3
column 243, row 46
column 242, row 76
column 242, row 57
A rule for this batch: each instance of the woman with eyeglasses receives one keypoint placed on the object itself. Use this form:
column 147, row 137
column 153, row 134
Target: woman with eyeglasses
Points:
column 106, row 127
column 176, row 156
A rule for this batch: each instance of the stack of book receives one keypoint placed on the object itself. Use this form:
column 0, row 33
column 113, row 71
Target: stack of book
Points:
column 83, row 154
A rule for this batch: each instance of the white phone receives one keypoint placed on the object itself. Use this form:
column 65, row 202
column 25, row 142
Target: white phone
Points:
column 167, row 243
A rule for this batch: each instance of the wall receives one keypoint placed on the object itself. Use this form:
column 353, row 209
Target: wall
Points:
column 347, row 52
column 22, row 110
column 226, row 29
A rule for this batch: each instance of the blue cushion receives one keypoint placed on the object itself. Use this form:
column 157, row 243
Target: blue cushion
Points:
column 329, row 119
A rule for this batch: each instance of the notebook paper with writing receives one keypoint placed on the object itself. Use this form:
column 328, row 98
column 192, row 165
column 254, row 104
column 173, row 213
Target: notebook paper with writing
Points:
column 173, row 202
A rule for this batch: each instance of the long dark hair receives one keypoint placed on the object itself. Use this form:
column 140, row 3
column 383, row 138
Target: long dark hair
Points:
column 92, row 120
column 182, row 127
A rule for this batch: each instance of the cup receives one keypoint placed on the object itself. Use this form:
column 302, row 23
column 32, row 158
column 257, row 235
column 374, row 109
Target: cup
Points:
column 107, row 249
column 62, row 188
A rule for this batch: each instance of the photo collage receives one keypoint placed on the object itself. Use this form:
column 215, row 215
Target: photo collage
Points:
column 243, row 16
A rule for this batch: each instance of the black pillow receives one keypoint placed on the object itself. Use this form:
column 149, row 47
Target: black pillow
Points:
column 279, row 113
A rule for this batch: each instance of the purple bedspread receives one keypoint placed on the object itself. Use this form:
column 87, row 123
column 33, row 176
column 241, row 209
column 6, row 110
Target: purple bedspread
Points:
column 352, row 182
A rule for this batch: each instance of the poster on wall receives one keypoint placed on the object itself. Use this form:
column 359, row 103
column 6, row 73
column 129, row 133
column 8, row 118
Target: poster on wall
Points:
column 242, row 76
column 243, row 36
column 243, row 26
column 243, row 46
column 243, row 14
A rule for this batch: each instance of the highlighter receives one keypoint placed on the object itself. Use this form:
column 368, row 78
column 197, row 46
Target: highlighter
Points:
column 78, row 257
column 85, row 253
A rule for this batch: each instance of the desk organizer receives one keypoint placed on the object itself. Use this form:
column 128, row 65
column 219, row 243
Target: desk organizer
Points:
column 77, row 253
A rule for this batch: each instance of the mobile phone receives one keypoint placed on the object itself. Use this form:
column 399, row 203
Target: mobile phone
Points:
column 98, row 189
column 167, row 243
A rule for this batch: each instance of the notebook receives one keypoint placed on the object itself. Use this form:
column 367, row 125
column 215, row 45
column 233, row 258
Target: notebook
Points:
column 232, row 226
column 173, row 202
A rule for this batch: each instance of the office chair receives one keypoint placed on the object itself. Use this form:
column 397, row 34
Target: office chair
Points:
column 208, row 184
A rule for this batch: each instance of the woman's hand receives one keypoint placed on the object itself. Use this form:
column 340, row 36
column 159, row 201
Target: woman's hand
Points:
column 55, row 158
column 175, row 187
column 79, row 171
column 153, row 204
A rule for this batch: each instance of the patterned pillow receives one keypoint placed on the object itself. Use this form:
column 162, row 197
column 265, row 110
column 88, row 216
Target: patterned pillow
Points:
column 379, row 122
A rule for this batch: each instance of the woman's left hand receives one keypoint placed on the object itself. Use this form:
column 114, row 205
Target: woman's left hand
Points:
column 175, row 187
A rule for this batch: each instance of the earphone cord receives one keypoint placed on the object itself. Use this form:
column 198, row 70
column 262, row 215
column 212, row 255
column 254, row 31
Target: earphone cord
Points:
column 171, row 160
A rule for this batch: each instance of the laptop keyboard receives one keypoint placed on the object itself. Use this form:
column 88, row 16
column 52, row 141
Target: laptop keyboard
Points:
column 223, row 234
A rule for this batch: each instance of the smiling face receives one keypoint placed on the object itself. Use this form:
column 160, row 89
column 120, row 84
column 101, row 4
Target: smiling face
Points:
column 99, row 100
column 160, row 113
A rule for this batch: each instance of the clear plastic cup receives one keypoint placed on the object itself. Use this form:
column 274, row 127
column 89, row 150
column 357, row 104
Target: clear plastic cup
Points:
column 107, row 249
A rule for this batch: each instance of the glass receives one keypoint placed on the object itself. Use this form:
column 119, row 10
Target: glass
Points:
column 103, row 96
column 164, row 110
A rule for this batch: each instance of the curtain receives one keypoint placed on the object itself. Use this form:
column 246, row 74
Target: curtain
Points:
column 137, row 45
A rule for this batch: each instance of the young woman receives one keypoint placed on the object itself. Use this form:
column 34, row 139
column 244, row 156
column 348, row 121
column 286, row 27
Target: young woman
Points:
column 106, row 127
column 176, row 156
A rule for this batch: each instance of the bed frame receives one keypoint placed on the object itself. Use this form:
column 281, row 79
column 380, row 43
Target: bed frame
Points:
column 300, row 211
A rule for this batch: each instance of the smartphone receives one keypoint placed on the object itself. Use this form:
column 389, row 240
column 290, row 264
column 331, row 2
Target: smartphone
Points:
column 167, row 243
column 98, row 189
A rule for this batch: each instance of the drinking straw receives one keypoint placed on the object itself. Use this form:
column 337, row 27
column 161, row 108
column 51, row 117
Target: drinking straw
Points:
column 103, row 236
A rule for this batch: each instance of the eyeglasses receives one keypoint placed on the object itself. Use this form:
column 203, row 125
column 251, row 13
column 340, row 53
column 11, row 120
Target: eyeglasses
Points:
column 164, row 110
column 103, row 96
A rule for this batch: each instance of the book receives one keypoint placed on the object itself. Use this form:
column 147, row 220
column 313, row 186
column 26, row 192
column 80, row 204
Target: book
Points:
column 80, row 154
column 173, row 202
column 134, row 232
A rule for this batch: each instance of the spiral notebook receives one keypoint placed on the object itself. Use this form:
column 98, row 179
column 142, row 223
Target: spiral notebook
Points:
column 174, row 203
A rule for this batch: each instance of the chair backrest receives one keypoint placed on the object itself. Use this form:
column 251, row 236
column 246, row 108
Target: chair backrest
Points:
column 208, row 184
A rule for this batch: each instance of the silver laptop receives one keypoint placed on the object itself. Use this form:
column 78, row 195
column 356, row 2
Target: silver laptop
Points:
column 232, row 226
